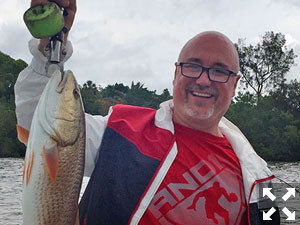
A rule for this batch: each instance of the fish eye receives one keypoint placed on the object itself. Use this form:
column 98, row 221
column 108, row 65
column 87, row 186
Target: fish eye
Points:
column 76, row 93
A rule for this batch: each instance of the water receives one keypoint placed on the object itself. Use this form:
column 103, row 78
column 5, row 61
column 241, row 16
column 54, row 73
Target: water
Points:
column 11, row 189
column 289, row 172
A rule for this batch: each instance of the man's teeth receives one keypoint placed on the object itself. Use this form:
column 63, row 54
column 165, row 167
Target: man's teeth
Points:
column 206, row 95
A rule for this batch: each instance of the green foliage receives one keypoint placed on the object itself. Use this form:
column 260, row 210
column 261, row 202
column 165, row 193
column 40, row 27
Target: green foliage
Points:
column 9, row 70
column 90, row 94
column 98, row 100
column 287, row 97
column 116, row 90
column 271, row 126
column 9, row 65
column 265, row 65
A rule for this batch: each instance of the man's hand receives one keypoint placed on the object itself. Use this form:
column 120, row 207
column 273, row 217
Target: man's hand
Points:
column 69, row 5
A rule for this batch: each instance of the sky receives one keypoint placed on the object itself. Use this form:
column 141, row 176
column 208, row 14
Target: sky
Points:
column 120, row 41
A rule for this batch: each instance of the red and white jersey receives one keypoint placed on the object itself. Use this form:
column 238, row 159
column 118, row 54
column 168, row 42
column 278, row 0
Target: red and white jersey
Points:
column 203, row 185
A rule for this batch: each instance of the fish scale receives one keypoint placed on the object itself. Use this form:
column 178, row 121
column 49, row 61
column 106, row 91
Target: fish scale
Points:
column 58, row 194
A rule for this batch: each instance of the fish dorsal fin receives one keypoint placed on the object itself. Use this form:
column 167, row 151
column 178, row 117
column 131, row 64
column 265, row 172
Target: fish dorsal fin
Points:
column 23, row 134
column 51, row 159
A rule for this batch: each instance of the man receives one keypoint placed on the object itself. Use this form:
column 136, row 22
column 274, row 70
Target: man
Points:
column 152, row 166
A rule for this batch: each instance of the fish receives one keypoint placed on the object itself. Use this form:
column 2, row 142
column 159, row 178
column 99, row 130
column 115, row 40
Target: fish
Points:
column 55, row 154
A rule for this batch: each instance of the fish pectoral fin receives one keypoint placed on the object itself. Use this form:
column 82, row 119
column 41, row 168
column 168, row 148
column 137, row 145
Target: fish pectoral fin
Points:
column 51, row 159
column 23, row 134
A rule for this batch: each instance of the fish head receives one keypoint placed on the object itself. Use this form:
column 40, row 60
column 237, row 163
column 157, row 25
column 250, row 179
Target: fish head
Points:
column 63, row 109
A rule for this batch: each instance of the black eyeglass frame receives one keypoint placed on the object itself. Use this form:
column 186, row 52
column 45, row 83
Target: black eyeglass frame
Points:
column 205, row 69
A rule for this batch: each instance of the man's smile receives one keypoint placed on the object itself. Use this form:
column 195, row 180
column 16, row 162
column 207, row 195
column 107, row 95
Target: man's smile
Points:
column 201, row 94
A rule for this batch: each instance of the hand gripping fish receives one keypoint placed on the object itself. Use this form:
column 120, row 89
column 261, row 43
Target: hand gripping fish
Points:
column 54, row 161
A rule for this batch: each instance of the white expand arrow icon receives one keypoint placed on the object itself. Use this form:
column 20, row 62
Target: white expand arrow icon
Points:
column 291, row 216
column 267, row 215
column 290, row 192
column 267, row 191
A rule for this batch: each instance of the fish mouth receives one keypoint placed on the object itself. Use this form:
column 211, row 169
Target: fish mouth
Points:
column 62, row 82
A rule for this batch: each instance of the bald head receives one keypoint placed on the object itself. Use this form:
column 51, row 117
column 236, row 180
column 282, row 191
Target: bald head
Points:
column 211, row 42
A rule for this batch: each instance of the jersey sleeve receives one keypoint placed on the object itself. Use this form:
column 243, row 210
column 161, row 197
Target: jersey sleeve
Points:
column 30, row 85
column 95, row 126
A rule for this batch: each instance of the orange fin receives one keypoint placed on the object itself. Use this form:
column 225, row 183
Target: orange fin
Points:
column 51, row 159
column 29, row 168
column 23, row 134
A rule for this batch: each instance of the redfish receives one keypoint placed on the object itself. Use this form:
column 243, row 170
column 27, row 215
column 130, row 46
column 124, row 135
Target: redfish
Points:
column 54, row 160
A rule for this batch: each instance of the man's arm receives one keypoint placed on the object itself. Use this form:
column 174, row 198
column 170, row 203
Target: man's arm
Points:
column 32, row 80
column 30, row 85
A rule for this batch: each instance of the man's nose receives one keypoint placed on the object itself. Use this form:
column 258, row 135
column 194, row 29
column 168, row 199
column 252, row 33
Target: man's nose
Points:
column 204, row 79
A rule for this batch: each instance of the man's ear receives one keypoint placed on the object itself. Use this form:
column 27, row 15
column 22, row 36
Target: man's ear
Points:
column 235, row 84
column 175, row 73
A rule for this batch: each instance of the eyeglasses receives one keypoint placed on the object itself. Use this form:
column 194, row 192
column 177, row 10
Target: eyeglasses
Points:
column 193, row 70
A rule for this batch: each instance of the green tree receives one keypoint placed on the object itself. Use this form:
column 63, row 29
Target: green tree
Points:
column 164, row 96
column 265, row 65
column 113, row 91
column 9, row 70
column 273, row 132
column 287, row 97
column 9, row 145
column 90, row 95
column 141, row 96
column 9, row 65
